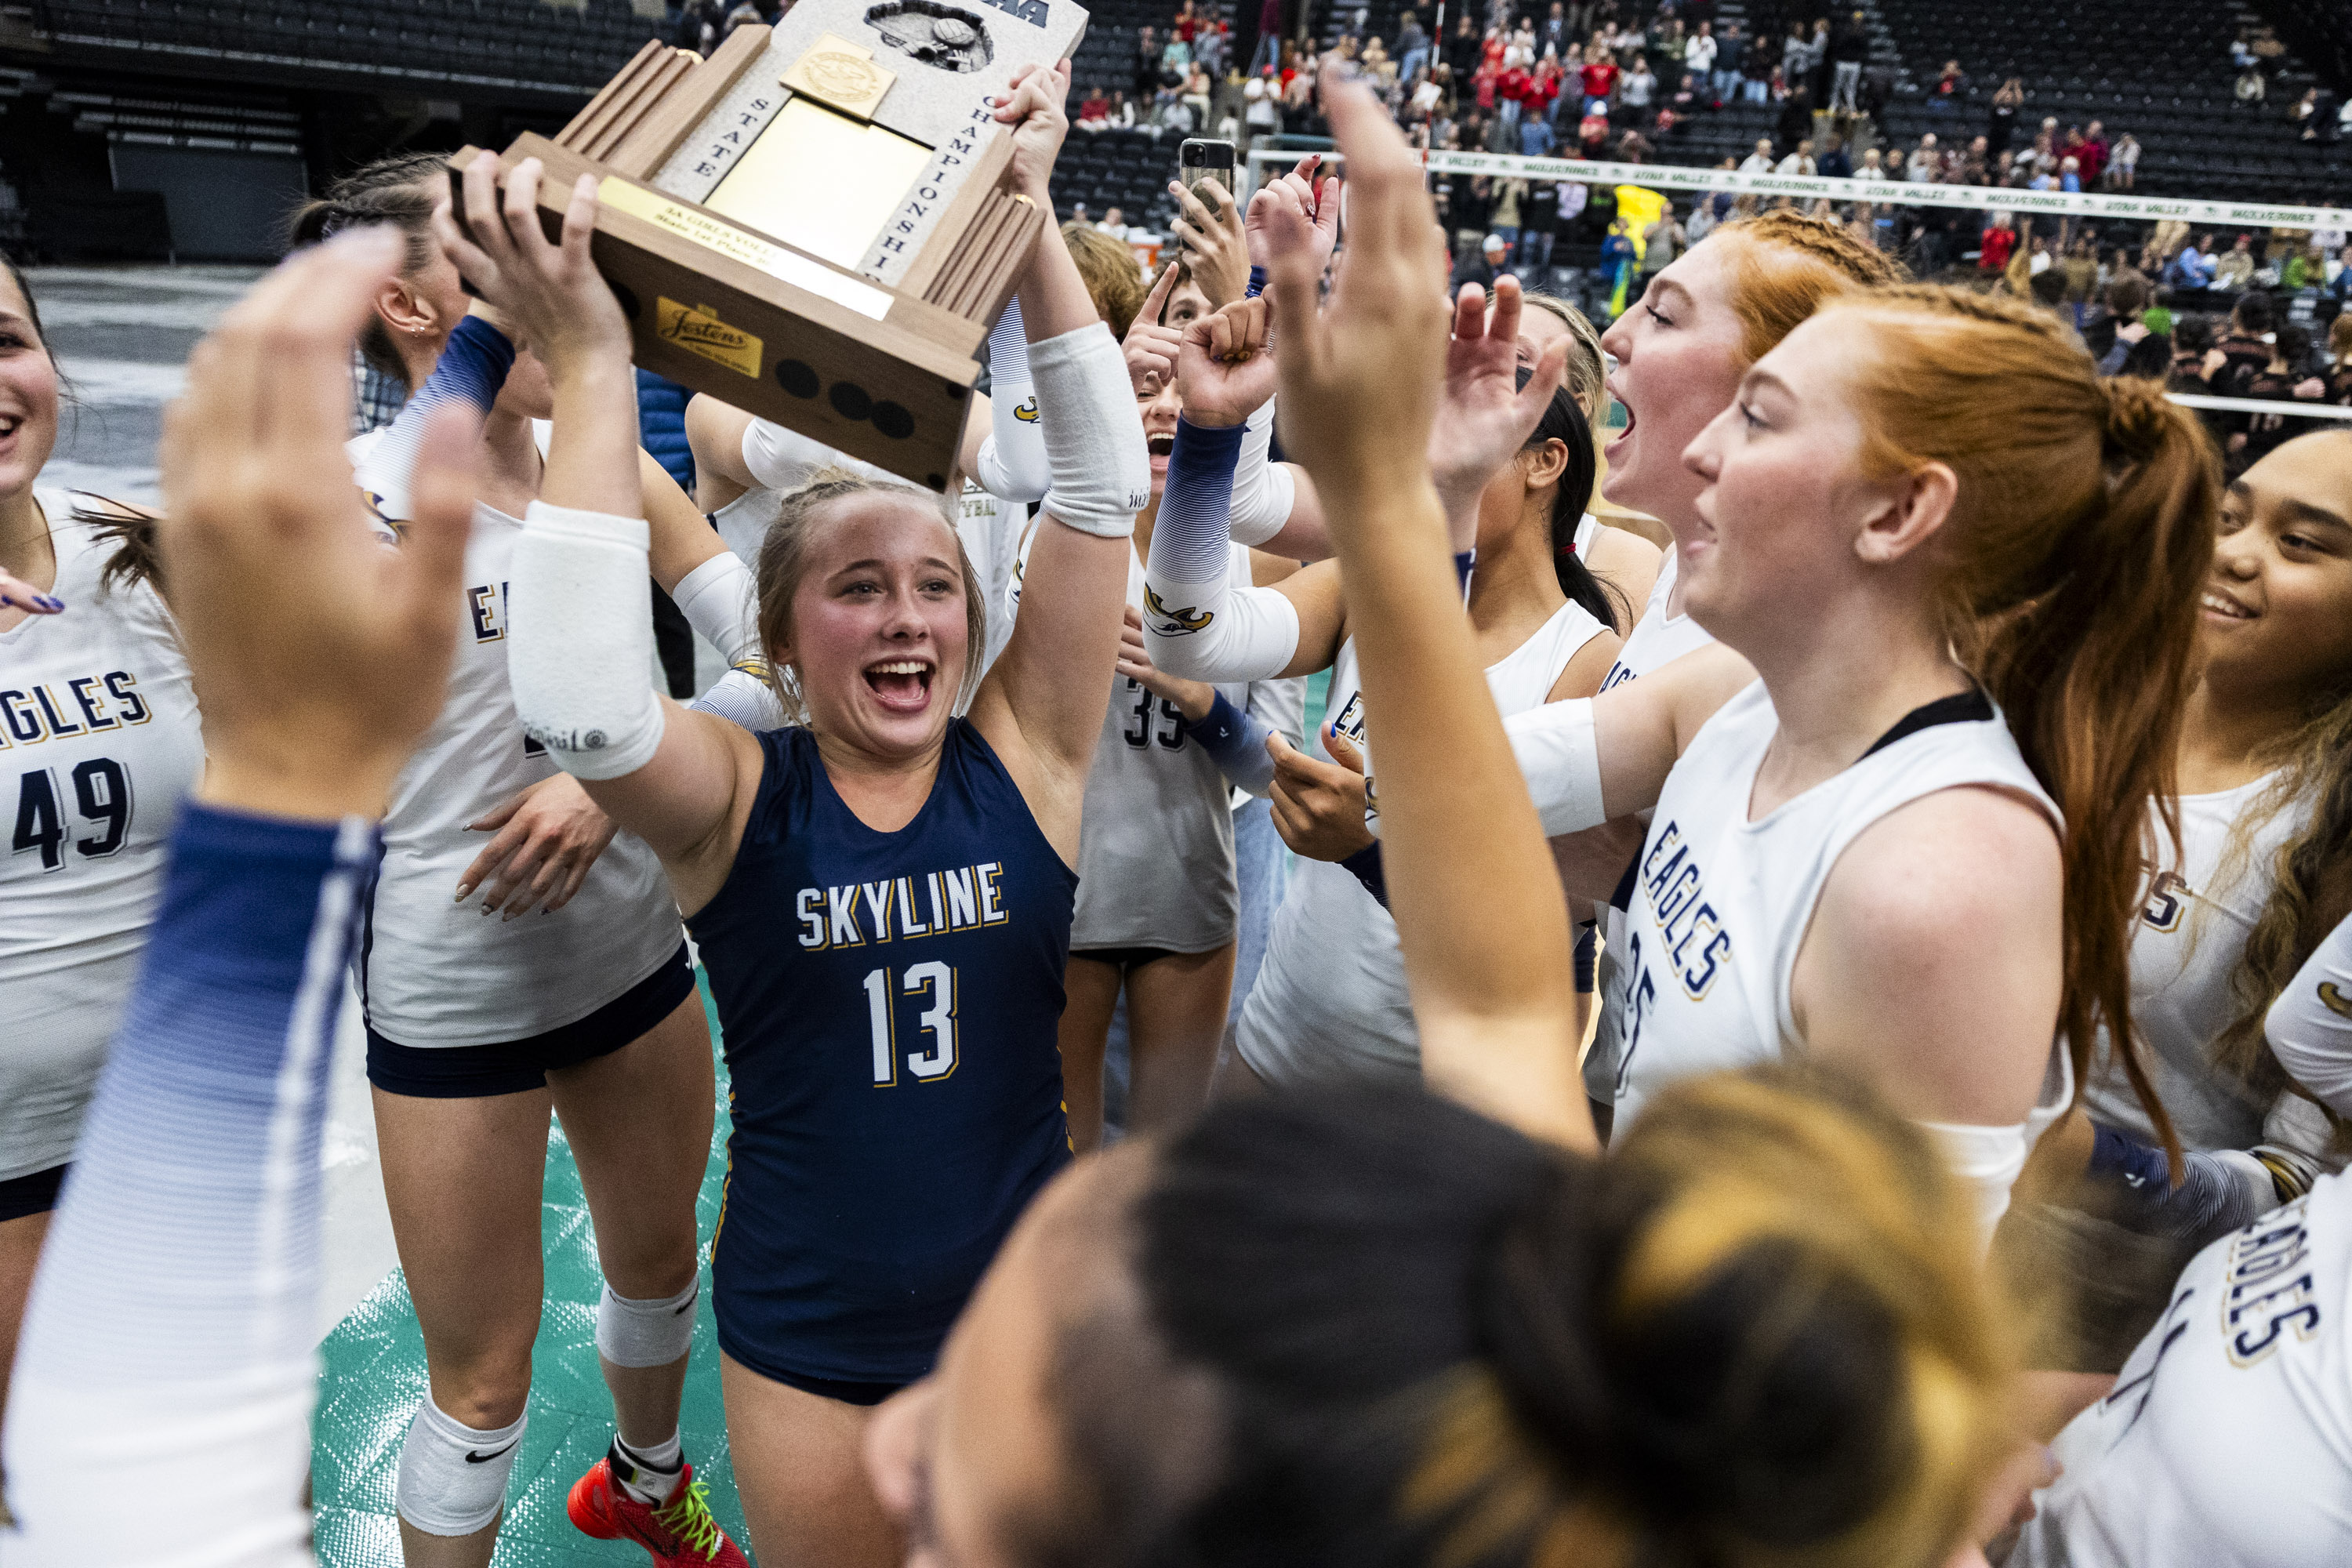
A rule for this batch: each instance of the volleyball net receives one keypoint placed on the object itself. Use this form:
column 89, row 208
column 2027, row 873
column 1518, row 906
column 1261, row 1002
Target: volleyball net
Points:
column 1654, row 178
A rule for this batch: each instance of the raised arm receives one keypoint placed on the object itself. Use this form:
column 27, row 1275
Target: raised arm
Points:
column 167, row 1348
column 580, row 603
column 1484, row 933
column 1041, row 703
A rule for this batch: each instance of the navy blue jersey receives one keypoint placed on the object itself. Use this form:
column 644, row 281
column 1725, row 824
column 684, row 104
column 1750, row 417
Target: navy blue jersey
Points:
column 890, row 1003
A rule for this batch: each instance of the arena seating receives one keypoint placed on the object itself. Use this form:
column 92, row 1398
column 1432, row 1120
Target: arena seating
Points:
column 2158, row 69
column 520, row 44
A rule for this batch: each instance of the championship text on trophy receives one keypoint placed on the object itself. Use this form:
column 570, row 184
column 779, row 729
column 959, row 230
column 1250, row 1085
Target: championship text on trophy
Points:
column 812, row 224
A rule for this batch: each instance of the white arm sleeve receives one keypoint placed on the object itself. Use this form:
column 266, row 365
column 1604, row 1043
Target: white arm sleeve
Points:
column 720, row 602
column 1216, row 632
column 742, row 699
column 581, row 607
column 1011, row 463
column 1094, row 436
column 1264, row 492
column 784, row 459
column 2310, row 1025
column 1560, row 759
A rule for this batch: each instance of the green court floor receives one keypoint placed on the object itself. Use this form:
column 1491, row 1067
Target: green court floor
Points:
column 373, row 1374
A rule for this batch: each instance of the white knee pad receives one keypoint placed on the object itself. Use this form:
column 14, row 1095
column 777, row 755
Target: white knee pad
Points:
column 453, row 1479
column 645, row 1334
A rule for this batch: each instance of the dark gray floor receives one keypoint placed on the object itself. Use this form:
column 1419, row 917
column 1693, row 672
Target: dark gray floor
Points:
column 121, row 335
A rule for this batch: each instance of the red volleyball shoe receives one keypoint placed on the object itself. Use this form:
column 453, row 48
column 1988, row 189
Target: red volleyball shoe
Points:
column 680, row 1533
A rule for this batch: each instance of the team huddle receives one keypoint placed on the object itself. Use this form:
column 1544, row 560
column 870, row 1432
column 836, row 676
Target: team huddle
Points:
column 1826, row 1044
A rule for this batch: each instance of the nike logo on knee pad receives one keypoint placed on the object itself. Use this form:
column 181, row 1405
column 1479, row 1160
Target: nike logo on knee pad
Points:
column 472, row 1458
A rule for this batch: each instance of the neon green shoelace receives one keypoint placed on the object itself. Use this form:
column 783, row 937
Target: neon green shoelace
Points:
column 688, row 1515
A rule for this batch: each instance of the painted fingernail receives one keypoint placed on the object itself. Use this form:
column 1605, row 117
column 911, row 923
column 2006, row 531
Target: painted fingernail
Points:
column 489, row 908
column 463, row 890
column 49, row 603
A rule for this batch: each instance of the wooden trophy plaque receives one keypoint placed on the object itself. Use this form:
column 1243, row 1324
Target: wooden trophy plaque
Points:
column 813, row 224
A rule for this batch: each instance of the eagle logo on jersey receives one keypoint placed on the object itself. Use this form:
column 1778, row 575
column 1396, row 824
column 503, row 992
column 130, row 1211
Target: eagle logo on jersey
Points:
column 1176, row 623
column 2333, row 1000
column 1027, row 411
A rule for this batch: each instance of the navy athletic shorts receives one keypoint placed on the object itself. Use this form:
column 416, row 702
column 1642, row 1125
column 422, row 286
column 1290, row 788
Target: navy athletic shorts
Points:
column 477, row 1072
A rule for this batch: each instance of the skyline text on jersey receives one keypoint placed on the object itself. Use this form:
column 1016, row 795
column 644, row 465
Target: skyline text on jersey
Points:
column 900, row 909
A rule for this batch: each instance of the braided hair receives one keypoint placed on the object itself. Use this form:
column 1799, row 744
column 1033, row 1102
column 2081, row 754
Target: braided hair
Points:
column 401, row 191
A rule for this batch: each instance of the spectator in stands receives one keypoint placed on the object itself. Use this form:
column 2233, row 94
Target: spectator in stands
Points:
column 1924, row 164
column 2242, row 353
column 2039, row 261
column 1800, row 162
column 1757, row 68
column 1835, row 163
column 1996, row 244
column 1482, row 266
column 2288, row 377
column 1873, row 166
column 1944, row 93
column 2007, row 99
column 1094, row 112
column 1114, row 223
column 1536, row 138
column 2123, row 162
column 1412, row 48
column 2112, row 326
column 1636, row 93
column 1634, row 148
column 1592, row 135
column 1796, row 121
column 1760, row 162
column 1730, row 55
column 1662, row 241
column 2195, row 267
column 1849, row 48
column 1891, row 165
column 2252, row 89
column 2339, row 350
column 1462, row 50
column 1796, row 56
column 1556, row 32
column 2236, row 268
column 1147, row 63
column 1262, row 105
column 1599, row 81
column 1504, row 224
column 1699, row 52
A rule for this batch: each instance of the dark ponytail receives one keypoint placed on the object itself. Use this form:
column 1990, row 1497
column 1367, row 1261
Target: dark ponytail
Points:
column 1758, row 1330
column 400, row 191
column 1564, row 421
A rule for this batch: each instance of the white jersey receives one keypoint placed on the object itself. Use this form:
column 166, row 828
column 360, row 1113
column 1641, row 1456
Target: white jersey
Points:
column 1330, row 997
column 1657, row 638
column 2227, row 1440
column 1156, row 847
column 433, row 971
column 98, row 746
column 2185, row 951
column 1721, row 903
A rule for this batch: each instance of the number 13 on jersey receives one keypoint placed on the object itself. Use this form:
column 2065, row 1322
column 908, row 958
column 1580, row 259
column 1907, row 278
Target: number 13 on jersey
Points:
column 934, row 983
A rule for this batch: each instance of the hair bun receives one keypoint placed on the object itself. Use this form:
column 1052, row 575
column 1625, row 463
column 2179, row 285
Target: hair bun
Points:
column 2139, row 417
column 1753, row 1404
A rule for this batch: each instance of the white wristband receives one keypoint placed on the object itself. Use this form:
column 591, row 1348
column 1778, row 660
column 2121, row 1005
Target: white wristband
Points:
column 1264, row 492
column 580, row 605
column 1560, row 757
column 1094, row 436
column 721, row 601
